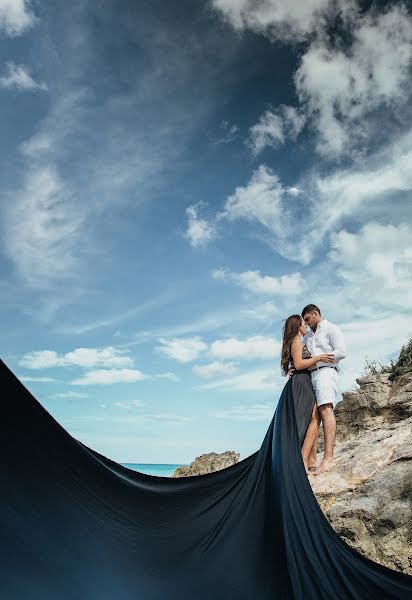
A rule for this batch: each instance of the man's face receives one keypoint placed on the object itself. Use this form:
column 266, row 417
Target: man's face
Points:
column 311, row 319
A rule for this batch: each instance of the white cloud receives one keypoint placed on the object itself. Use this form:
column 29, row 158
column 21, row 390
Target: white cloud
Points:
column 290, row 21
column 214, row 369
column 18, row 77
column 182, row 349
column 274, row 127
column 199, row 232
column 81, row 357
column 109, row 376
column 340, row 86
column 254, row 347
column 285, row 285
column 15, row 16
column 70, row 395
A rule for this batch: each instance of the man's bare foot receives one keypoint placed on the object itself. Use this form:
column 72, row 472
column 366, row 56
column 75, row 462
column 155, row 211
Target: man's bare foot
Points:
column 324, row 466
column 312, row 466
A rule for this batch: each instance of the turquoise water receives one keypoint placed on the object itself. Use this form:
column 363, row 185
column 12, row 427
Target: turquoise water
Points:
column 162, row 470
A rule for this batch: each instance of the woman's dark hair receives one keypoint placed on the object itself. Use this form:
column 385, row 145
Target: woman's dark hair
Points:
column 290, row 331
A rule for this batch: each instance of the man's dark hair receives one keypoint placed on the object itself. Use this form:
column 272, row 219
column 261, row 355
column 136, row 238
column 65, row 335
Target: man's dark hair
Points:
column 310, row 308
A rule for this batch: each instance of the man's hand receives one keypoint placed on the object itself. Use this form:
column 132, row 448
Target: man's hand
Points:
column 290, row 372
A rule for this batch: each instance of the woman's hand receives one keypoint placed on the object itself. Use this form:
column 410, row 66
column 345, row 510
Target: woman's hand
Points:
column 327, row 358
column 290, row 372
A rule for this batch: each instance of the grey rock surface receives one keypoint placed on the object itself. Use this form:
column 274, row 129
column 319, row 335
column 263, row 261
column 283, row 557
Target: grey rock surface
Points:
column 367, row 497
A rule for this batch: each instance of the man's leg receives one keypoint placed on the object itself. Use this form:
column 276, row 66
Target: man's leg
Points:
column 329, row 429
column 311, row 435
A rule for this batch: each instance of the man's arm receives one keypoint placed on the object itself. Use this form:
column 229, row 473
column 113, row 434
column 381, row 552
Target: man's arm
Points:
column 338, row 343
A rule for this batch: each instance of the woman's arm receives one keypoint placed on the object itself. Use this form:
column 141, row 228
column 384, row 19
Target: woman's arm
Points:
column 306, row 363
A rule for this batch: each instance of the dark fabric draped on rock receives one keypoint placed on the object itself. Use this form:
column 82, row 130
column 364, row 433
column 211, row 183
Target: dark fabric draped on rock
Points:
column 77, row 525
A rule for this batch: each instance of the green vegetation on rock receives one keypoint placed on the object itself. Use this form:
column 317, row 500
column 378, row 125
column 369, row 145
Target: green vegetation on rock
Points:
column 397, row 368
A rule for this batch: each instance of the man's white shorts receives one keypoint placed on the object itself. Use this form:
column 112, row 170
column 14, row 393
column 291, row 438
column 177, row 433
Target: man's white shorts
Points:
column 326, row 385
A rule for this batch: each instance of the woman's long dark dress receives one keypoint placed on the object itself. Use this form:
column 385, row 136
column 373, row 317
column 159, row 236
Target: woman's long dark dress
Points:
column 77, row 525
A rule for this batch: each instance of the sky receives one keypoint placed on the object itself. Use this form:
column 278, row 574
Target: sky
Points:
column 177, row 179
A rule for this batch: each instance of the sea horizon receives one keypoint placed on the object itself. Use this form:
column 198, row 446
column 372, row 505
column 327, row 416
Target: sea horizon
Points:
column 158, row 469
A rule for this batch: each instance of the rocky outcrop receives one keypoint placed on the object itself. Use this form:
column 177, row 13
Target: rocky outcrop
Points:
column 207, row 463
column 367, row 497
column 376, row 404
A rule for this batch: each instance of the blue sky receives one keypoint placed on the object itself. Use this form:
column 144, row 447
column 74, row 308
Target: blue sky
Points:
column 178, row 178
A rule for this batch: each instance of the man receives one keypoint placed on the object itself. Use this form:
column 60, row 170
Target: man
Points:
column 322, row 338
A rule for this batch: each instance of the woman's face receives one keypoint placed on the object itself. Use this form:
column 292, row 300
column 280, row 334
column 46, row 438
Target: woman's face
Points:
column 302, row 328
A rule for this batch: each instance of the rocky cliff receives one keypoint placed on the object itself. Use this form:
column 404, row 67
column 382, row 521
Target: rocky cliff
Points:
column 367, row 497
column 207, row 463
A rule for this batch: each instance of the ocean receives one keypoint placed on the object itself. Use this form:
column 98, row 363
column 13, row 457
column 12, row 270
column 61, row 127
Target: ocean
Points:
column 162, row 470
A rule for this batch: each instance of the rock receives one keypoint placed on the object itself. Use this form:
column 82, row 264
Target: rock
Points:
column 367, row 496
column 208, row 463
column 374, row 405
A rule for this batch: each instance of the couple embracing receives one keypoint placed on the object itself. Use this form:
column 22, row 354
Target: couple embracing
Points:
column 311, row 351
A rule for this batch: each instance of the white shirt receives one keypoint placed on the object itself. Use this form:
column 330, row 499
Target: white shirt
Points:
column 327, row 339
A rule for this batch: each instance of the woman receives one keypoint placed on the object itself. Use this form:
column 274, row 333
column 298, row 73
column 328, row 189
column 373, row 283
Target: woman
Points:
column 296, row 355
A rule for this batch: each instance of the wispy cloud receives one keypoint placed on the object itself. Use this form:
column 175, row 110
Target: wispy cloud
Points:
column 228, row 134
column 246, row 412
column 69, row 395
column 18, row 77
column 39, row 379
column 42, row 228
column 133, row 419
column 275, row 127
column 286, row 285
column 168, row 375
column 109, row 376
column 129, row 405
column 253, row 380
